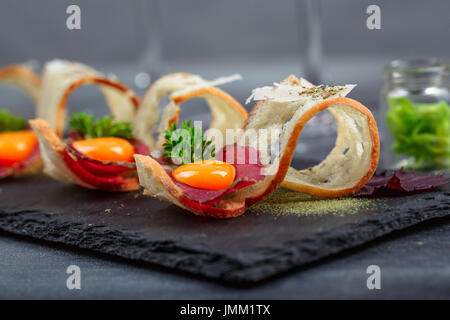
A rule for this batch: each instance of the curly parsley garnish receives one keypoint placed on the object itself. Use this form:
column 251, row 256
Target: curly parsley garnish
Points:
column 187, row 144
column 100, row 127
column 8, row 122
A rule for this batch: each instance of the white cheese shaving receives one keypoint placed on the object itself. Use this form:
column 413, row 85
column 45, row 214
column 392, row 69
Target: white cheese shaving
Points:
column 290, row 93
column 200, row 83
column 222, row 80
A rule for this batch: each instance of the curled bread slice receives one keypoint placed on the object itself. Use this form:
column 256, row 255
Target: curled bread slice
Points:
column 353, row 160
column 61, row 78
column 61, row 160
column 22, row 77
column 273, row 128
column 225, row 110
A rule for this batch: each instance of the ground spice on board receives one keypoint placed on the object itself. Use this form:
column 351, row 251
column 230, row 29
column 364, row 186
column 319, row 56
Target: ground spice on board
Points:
column 287, row 202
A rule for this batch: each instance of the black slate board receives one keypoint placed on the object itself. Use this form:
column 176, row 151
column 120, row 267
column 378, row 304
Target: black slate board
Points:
column 247, row 249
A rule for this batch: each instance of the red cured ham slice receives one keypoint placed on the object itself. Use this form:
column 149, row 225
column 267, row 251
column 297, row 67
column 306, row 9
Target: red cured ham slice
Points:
column 100, row 168
column 246, row 160
column 401, row 181
column 210, row 197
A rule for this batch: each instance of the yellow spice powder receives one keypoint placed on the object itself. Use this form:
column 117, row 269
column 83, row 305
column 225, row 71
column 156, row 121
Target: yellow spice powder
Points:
column 287, row 202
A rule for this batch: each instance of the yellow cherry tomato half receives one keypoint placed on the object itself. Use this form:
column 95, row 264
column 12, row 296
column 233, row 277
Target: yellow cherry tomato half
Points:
column 206, row 174
column 106, row 149
column 16, row 146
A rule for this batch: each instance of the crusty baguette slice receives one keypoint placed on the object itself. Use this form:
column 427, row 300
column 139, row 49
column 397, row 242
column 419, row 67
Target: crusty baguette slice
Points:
column 61, row 78
column 225, row 110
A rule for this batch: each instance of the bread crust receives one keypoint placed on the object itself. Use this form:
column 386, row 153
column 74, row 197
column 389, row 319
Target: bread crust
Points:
column 147, row 116
column 375, row 151
column 52, row 150
column 23, row 77
column 181, row 87
column 20, row 69
column 59, row 80
column 216, row 92
column 62, row 104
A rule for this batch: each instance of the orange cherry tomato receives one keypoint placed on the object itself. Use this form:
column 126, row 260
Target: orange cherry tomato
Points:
column 106, row 149
column 206, row 174
column 16, row 146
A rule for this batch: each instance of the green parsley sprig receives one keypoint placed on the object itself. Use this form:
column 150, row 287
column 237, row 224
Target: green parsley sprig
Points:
column 100, row 127
column 8, row 122
column 187, row 144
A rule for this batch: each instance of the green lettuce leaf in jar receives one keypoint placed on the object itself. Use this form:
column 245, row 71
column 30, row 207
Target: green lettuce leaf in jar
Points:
column 421, row 131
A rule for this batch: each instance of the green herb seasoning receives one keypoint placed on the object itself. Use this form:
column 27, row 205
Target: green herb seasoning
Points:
column 101, row 127
column 8, row 122
column 187, row 144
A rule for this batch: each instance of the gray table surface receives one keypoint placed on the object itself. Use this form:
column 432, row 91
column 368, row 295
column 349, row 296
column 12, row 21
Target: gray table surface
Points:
column 414, row 263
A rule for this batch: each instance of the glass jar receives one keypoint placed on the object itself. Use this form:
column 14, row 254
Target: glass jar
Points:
column 414, row 115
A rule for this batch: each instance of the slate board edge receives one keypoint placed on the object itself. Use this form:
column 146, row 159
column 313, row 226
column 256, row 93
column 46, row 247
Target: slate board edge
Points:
column 197, row 260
